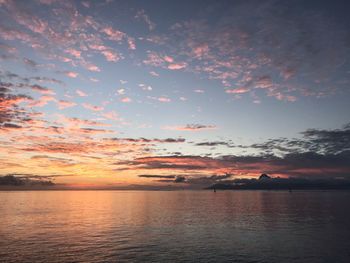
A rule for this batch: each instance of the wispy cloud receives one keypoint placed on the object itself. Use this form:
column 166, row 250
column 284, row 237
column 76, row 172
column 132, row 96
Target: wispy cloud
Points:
column 91, row 107
column 191, row 127
column 144, row 17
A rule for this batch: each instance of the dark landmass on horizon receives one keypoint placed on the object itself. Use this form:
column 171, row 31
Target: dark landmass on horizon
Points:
column 264, row 182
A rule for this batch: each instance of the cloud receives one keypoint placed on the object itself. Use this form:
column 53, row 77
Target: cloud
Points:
column 77, row 122
column 164, row 99
column 121, row 91
column 145, row 87
column 173, row 162
column 69, row 39
column 168, row 59
column 32, row 180
column 70, row 74
column 113, row 34
column 156, row 176
column 237, row 91
column 111, row 115
column 92, row 107
column 131, row 43
column 42, row 90
column 80, row 93
column 154, row 59
column 141, row 15
column 320, row 154
column 74, row 52
column 157, row 60
column 214, row 143
column 199, row 180
column 180, row 179
column 30, row 63
column 63, row 104
column 91, row 67
column 154, row 140
column 283, row 184
column 175, row 66
column 125, row 100
column 111, row 55
column 153, row 73
column 191, row 127
column 198, row 91
column 42, row 101
column 280, row 59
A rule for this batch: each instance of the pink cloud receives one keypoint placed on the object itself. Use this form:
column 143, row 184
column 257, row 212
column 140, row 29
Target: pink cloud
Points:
column 168, row 59
column 71, row 74
column 280, row 96
column 237, row 91
column 80, row 93
column 164, row 99
column 98, row 47
column 111, row 115
column 131, row 43
column 125, row 100
column 92, row 107
column 113, row 34
column 76, row 122
column 62, row 104
column 153, row 59
column 42, row 101
column 75, row 53
column 177, row 66
column 200, row 51
column 111, row 55
column 93, row 67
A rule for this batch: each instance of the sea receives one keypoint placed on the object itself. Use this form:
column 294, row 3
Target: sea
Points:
column 175, row 226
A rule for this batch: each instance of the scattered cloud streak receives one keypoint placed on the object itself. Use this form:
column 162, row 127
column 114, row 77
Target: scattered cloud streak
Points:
column 191, row 127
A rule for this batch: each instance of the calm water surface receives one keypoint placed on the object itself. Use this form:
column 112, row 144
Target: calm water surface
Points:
column 184, row 226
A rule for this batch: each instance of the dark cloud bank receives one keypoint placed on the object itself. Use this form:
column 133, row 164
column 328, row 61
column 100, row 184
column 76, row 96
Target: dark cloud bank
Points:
column 268, row 183
column 25, row 180
column 320, row 159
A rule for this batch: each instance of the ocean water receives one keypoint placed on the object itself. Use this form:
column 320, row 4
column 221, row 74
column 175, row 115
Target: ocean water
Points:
column 179, row 226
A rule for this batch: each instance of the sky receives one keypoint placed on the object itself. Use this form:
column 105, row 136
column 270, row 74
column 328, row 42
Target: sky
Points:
column 178, row 94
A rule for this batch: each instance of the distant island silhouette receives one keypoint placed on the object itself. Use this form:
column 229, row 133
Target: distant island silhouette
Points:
column 266, row 182
column 263, row 182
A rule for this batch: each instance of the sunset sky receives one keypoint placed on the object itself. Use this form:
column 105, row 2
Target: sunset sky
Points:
column 174, row 93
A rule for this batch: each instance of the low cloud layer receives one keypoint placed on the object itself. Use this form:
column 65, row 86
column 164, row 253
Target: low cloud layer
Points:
column 318, row 154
